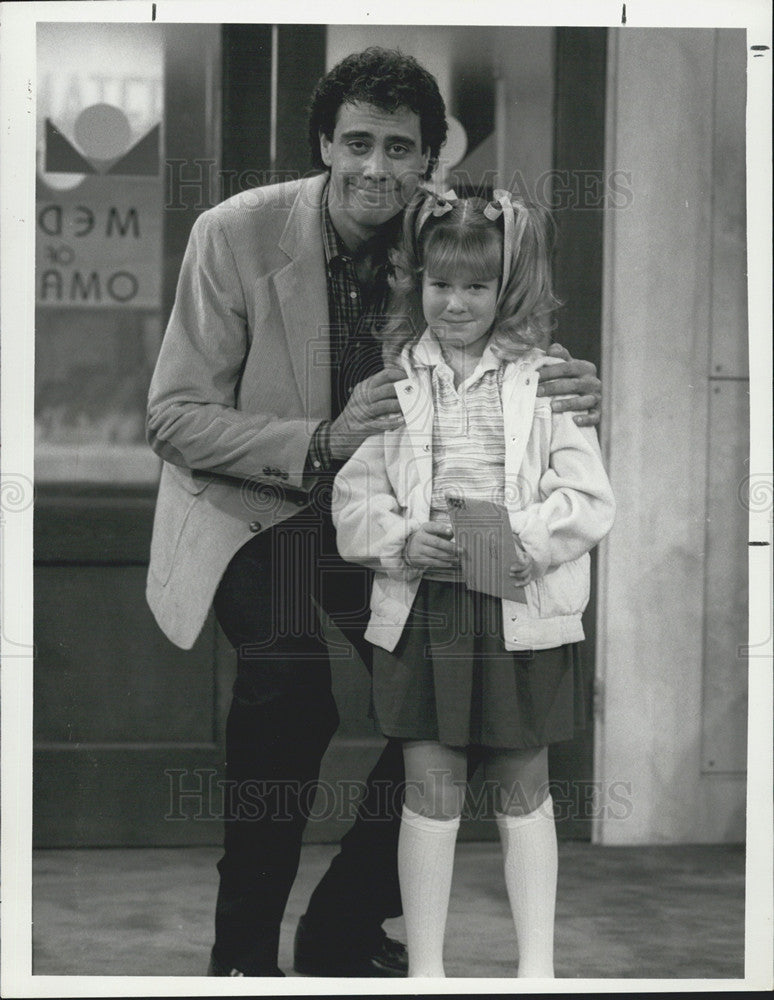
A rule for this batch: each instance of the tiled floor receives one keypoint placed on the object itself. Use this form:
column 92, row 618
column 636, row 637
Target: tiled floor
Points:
column 645, row 912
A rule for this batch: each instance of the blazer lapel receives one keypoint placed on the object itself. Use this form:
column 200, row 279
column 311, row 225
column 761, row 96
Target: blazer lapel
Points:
column 302, row 292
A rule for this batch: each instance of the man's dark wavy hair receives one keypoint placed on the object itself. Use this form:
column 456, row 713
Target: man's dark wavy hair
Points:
column 389, row 80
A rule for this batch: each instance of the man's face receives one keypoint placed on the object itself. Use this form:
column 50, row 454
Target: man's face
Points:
column 376, row 161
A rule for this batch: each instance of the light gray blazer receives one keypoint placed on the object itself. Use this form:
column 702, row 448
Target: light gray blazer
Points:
column 241, row 382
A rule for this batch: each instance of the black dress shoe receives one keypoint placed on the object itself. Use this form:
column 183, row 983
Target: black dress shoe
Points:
column 216, row 968
column 312, row 956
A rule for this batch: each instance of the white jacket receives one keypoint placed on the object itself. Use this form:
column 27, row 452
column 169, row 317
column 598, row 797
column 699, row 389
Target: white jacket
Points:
column 557, row 493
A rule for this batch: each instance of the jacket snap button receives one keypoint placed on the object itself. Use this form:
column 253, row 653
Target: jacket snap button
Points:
column 426, row 447
column 409, row 388
column 526, row 381
column 255, row 526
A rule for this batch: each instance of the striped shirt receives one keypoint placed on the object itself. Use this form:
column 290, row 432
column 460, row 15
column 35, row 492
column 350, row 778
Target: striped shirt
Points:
column 468, row 432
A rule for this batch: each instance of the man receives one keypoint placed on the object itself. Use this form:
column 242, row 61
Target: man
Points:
column 269, row 378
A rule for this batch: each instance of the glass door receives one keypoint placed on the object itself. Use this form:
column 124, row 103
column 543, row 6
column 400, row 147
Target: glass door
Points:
column 128, row 150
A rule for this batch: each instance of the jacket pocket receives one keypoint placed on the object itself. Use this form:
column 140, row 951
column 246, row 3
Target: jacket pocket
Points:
column 391, row 599
column 565, row 589
column 192, row 480
column 178, row 493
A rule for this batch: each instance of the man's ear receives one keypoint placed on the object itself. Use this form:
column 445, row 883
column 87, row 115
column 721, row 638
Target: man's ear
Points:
column 425, row 159
column 325, row 149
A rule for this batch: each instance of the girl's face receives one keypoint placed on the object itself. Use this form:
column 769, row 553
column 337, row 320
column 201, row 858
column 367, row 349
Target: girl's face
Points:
column 460, row 308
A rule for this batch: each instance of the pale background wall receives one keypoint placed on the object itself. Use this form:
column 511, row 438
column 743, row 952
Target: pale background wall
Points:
column 522, row 58
column 673, row 575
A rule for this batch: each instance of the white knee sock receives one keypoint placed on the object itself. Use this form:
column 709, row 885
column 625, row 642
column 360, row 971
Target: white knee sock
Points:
column 425, row 864
column 530, row 862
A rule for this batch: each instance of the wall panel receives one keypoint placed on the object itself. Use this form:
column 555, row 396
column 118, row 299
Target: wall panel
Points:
column 666, row 570
column 724, row 705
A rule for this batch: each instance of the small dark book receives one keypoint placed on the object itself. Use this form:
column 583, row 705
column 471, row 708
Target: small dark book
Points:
column 482, row 530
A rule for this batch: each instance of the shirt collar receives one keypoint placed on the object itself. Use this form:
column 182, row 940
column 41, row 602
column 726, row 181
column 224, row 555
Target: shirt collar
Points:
column 333, row 243
column 426, row 353
column 336, row 248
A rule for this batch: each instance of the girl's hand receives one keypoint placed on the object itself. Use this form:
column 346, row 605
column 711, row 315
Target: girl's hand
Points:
column 575, row 378
column 521, row 572
column 430, row 547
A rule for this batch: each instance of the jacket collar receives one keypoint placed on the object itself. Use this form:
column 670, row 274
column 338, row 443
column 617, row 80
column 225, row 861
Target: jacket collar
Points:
column 302, row 232
column 426, row 352
column 302, row 292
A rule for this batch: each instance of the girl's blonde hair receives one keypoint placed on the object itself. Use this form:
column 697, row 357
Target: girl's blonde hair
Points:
column 464, row 238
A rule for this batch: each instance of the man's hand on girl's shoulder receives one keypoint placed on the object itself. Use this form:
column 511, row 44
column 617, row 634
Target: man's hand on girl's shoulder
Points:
column 372, row 407
column 577, row 381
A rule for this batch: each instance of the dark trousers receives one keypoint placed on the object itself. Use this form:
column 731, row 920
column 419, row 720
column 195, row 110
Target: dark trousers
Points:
column 281, row 720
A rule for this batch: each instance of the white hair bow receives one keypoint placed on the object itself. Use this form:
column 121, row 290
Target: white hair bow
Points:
column 435, row 205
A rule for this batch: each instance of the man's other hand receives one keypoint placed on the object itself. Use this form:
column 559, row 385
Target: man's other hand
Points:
column 575, row 379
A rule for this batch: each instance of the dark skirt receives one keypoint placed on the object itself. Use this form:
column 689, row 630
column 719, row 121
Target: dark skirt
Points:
column 450, row 678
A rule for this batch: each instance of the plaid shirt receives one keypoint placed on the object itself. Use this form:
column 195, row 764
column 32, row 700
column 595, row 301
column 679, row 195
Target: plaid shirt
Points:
column 353, row 311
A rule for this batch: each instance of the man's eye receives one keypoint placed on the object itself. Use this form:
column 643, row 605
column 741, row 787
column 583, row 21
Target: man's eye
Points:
column 398, row 150
column 357, row 147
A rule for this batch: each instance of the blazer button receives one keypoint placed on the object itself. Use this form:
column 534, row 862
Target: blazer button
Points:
column 255, row 526
column 266, row 470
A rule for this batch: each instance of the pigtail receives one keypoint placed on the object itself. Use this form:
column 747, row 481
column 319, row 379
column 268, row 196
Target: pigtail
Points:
column 527, row 303
column 405, row 320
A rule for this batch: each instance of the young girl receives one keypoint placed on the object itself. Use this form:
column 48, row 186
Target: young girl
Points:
column 456, row 668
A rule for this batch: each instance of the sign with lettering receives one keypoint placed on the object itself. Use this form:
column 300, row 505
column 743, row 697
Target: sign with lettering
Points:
column 100, row 244
column 100, row 195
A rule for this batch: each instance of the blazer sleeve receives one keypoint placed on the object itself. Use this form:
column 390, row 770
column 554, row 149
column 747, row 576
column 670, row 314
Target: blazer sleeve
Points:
column 575, row 508
column 371, row 526
column 192, row 419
